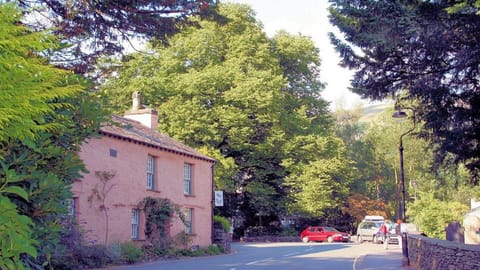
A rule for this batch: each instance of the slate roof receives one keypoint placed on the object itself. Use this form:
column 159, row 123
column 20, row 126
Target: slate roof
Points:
column 133, row 131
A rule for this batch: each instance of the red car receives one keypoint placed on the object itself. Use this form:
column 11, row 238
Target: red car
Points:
column 321, row 234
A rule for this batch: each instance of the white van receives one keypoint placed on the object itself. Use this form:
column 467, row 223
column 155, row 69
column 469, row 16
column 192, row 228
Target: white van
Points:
column 368, row 229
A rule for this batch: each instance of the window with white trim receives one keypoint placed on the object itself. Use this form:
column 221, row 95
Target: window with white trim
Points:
column 72, row 206
column 135, row 224
column 189, row 221
column 187, row 179
column 150, row 172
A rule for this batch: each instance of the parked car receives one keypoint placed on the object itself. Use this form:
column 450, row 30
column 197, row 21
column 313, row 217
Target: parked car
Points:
column 393, row 237
column 368, row 229
column 322, row 234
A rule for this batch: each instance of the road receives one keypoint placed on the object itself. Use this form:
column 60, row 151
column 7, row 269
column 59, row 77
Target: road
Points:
column 274, row 256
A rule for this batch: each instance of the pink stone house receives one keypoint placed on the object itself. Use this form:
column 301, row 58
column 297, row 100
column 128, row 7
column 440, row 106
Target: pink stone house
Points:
column 142, row 163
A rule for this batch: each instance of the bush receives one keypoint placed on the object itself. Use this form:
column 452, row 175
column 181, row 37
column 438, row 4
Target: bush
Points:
column 83, row 256
column 93, row 256
column 214, row 250
column 289, row 232
column 115, row 252
column 223, row 222
column 131, row 253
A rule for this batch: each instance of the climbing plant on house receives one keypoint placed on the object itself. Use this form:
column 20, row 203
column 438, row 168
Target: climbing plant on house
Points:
column 100, row 193
column 159, row 213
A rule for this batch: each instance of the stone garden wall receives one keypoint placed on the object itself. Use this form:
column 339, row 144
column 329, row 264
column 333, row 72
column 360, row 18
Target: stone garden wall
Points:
column 433, row 254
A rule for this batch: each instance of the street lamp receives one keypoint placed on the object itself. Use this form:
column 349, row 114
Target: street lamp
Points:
column 401, row 114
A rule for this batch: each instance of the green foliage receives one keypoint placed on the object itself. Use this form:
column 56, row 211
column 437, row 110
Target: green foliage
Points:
column 15, row 235
column 45, row 117
column 317, row 183
column 433, row 215
column 214, row 250
column 223, row 221
column 464, row 7
column 434, row 198
column 241, row 98
column 30, row 87
column 421, row 52
column 131, row 253
column 158, row 215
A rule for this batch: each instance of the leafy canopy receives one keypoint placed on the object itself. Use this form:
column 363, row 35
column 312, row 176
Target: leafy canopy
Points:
column 250, row 101
column 429, row 55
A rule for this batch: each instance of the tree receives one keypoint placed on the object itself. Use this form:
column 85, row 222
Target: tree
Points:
column 319, row 181
column 96, row 28
column 243, row 98
column 433, row 215
column 419, row 49
column 45, row 117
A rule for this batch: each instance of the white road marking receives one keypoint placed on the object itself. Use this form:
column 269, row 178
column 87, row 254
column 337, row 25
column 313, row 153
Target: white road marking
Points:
column 291, row 254
column 254, row 262
column 355, row 261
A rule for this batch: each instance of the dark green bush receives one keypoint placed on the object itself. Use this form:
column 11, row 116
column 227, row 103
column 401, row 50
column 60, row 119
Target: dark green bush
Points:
column 214, row 250
column 223, row 222
column 131, row 253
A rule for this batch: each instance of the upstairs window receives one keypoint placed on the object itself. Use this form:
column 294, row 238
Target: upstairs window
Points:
column 150, row 172
column 187, row 179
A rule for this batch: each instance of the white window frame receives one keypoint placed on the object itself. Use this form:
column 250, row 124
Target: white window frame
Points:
column 150, row 172
column 189, row 212
column 187, row 178
column 72, row 207
column 135, row 233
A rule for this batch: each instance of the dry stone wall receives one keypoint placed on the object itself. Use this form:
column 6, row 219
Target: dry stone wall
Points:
column 433, row 254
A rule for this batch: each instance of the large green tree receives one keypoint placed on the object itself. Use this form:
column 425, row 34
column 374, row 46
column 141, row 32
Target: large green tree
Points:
column 430, row 55
column 45, row 116
column 251, row 101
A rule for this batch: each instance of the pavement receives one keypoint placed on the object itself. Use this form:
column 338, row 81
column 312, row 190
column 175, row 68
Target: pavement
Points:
column 382, row 259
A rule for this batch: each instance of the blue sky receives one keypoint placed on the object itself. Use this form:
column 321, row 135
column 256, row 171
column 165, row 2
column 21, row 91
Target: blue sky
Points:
column 309, row 17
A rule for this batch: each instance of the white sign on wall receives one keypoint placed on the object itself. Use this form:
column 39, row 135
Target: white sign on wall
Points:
column 218, row 198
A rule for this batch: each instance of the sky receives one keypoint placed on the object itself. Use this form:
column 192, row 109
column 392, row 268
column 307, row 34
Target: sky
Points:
column 309, row 18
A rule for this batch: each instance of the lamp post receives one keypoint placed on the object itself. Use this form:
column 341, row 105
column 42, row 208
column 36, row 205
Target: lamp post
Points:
column 401, row 114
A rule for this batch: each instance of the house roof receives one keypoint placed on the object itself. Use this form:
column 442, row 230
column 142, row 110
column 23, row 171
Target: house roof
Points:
column 133, row 131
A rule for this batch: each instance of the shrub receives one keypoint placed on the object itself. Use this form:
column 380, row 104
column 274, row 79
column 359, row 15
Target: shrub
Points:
column 82, row 257
column 214, row 250
column 115, row 252
column 93, row 256
column 289, row 232
column 131, row 253
column 223, row 222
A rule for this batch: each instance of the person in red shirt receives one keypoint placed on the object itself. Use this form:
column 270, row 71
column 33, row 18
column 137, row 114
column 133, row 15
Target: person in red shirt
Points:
column 384, row 230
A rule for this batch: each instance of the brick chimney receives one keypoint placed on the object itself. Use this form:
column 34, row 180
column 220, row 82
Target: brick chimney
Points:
column 148, row 117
